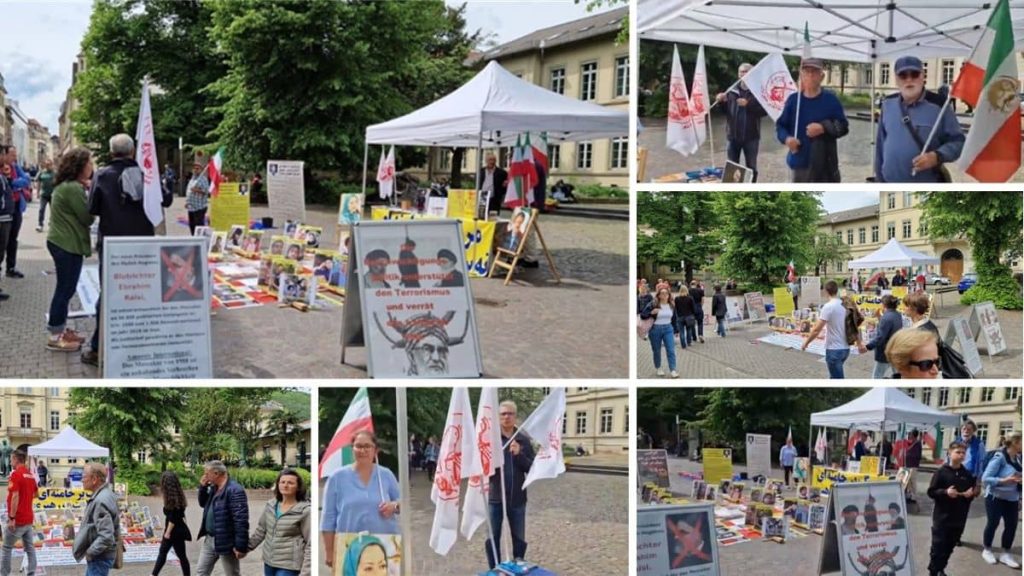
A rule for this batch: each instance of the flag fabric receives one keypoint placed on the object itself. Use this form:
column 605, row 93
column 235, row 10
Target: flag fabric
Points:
column 699, row 98
column 851, row 441
column 789, row 435
column 455, row 461
column 540, row 153
column 386, row 173
column 522, row 176
column 988, row 82
column 790, row 272
column 807, row 41
column 145, row 155
column 680, row 135
column 214, row 172
column 771, row 83
column 489, row 454
column 357, row 418
column 544, row 426
column 821, row 445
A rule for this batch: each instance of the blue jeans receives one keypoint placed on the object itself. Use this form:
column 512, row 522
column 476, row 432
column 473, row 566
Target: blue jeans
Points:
column 687, row 335
column 516, row 524
column 661, row 335
column 99, row 567
column 69, row 268
column 749, row 151
column 721, row 326
column 834, row 359
column 269, row 570
column 700, row 320
column 881, row 370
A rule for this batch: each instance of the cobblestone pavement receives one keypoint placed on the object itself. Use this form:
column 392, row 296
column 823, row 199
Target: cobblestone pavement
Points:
column 591, row 255
column 740, row 355
column 252, row 564
column 799, row 556
column 855, row 153
column 576, row 525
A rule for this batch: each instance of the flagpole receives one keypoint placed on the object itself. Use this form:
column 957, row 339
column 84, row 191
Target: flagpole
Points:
column 404, row 516
column 366, row 160
column 485, row 482
column 711, row 139
column 715, row 103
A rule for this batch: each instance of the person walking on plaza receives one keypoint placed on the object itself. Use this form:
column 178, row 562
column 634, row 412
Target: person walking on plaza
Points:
column 914, row 354
column 1001, row 482
column 787, row 458
column 643, row 325
column 832, row 319
column 69, row 243
column 916, row 306
column 890, row 323
column 21, row 492
column 686, row 317
column 283, row 529
column 46, row 184
column 719, row 310
column 116, row 198
column 743, row 115
column 697, row 293
column 430, row 452
column 912, row 461
column 360, row 497
column 22, row 189
column 198, row 197
column 7, row 209
column 225, row 521
column 97, row 538
column 952, row 489
column 176, row 531
column 517, row 459
column 661, row 334
column 907, row 120
column 811, row 138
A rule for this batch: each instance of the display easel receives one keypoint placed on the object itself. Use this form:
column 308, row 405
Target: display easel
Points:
column 516, row 254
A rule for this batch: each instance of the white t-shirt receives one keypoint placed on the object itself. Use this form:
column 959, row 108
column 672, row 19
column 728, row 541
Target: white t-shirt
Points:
column 834, row 316
column 664, row 316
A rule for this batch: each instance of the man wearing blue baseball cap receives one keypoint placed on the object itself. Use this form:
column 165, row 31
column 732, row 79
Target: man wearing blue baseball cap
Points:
column 907, row 119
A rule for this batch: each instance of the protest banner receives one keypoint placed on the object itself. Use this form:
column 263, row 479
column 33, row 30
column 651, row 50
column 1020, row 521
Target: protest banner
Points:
column 676, row 540
column 717, row 464
column 88, row 291
column 959, row 329
column 156, row 308
column 415, row 302
column 871, row 465
column 733, row 310
column 231, row 207
column 350, row 209
column 802, row 470
column 381, row 551
column 824, row 478
column 985, row 315
column 286, row 192
column 755, row 306
column 759, row 455
column 652, row 466
column 783, row 301
column 60, row 498
column 867, row 531
column 436, row 207
column 462, row 204
column 810, row 290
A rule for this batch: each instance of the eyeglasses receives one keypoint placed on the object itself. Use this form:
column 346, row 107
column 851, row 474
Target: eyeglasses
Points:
column 506, row 413
column 926, row 365
column 363, row 446
column 909, row 74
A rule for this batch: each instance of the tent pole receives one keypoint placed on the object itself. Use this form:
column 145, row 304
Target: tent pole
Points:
column 871, row 108
column 479, row 159
column 405, row 511
column 366, row 160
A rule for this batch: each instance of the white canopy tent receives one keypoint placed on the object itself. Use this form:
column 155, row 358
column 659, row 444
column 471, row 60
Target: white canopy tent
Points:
column 492, row 110
column 891, row 255
column 69, row 443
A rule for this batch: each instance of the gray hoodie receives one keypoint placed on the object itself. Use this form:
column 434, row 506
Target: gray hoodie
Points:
column 97, row 537
column 285, row 540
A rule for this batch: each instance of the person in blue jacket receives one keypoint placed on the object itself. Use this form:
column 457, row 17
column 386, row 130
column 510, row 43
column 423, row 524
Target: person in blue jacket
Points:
column 908, row 117
column 1002, row 482
column 225, row 523
column 890, row 323
column 21, row 185
column 811, row 136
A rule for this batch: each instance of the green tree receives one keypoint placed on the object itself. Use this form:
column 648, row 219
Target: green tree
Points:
column 764, row 231
column 684, row 227
column 990, row 221
column 828, row 248
column 658, row 408
column 217, row 415
column 285, row 424
column 126, row 420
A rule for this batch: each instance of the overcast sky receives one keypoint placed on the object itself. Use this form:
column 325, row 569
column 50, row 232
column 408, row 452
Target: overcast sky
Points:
column 837, row 201
column 509, row 20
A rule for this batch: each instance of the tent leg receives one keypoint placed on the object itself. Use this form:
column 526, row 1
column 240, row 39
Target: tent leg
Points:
column 871, row 107
column 366, row 160
column 405, row 517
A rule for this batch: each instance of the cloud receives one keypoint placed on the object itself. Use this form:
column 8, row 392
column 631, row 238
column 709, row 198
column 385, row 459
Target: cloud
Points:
column 26, row 77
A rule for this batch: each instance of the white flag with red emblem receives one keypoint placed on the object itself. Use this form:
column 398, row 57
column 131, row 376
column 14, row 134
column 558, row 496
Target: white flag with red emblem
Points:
column 456, row 460
column 145, row 155
column 771, row 83
column 544, row 427
column 701, row 103
column 386, row 173
column 489, row 454
column 790, row 272
column 680, row 134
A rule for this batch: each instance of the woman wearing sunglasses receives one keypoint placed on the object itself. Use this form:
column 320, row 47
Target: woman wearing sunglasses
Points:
column 914, row 353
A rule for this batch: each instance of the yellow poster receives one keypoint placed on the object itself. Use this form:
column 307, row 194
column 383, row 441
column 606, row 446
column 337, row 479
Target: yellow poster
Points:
column 717, row 465
column 899, row 291
column 462, row 204
column 478, row 240
column 783, row 301
column 229, row 208
column 60, row 498
column 870, row 465
column 388, row 213
column 823, row 478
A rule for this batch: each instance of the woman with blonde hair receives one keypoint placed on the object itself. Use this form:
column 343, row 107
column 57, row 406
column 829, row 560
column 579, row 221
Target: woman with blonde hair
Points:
column 914, row 354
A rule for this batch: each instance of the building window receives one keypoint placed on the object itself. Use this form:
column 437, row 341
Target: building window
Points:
column 883, row 73
column 25, row 390
column 54, row 420
column 141, row 457
column 890, row 230
column 943, row 397
column 906, row 229
column 911, row 392
column 582, row 388
column 965, row 396
column 849, row 236
column 923, row 228
column 862, row 235
column 177, row 429
column 54, row 392
column 622, row 76
column 846, row 75
column 868, row 75
column 558, row 80
column 926, row 396
column 874, row 233
column 924, row 68
column 890, row 200
column 948, row 72
column 606, row 420
column 1011, row 393
column 988, row 393
column 581, row 423
column 1006, row 429
column 620, row 150
column 545, row 391
column 839, row 236
column 588, row 83
column 983, row 434
column 625, row 421
column 908, row 199
column 554, row 157
column 26, row 419
column 584, row 155
column 444, row 159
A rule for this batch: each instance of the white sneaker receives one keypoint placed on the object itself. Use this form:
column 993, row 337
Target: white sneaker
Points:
column 988, row 556
column 675, row 374
column 661, row 373
column 1005, row 558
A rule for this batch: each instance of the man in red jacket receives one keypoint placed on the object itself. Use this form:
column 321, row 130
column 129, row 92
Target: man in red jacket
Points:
column 21, row 490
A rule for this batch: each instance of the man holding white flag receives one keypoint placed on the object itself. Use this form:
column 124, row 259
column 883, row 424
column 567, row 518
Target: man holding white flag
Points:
column 680, row 134
column 456, row 460
column 507, row 497
column 386, row 173
column 744, row 109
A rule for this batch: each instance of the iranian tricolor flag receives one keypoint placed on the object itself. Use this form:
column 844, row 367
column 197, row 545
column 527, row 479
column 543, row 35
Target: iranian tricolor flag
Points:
column 213, row 170
column 522, row 176
column 540, row 153
column 356, row 419
column 988, row 82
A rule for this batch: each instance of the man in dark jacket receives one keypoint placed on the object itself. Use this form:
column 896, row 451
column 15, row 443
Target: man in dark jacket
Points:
column 697, row 293
column 743, row 115
column 719, row 310
column 912, row 461
column 225, row 521
column 518, row 458
column 953, row 489
column 116, row 198
column 890, row 323
column 7, row 209
column 493, row 179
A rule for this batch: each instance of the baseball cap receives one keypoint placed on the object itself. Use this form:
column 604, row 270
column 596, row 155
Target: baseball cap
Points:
column 813, row 63
column 905, row 63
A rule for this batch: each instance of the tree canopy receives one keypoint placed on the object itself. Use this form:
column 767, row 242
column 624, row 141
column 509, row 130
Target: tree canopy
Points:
column 683, row 226
column 127, row 420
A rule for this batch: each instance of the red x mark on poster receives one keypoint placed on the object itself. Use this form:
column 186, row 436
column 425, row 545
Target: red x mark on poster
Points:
column 180, row 274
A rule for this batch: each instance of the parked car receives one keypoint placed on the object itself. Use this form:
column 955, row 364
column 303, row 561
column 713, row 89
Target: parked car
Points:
column 938, row 279
column 969, row 279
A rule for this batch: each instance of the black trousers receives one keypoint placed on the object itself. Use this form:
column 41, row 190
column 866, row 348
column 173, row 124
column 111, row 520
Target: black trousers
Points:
column 12, row 241
column 788, row 471
column 944, row 539
column 179, row 549
column 197, row 218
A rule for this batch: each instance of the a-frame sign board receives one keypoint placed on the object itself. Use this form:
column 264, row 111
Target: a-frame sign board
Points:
column 508, row 258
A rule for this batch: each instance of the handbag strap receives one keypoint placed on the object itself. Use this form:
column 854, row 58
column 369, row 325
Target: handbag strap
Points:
column 905, row 120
